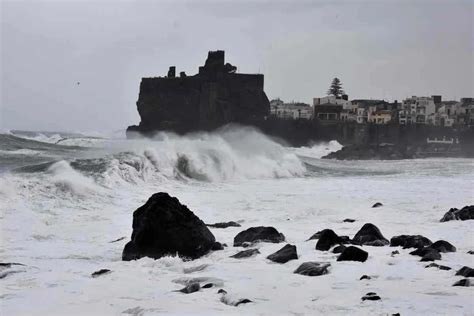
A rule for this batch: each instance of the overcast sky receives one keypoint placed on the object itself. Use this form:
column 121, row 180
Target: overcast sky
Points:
column 379, row 49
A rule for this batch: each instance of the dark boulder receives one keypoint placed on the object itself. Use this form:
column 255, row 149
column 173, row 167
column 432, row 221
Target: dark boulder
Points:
column 467, row 212
column 245, row 253
column 431, row 255
column 217, row 246
column 339, row 249
column 395, row 252
column 378, row 204
column 443, row 246
column 349, row 220
column 371, row 296
column 353, row 254
column 164, row 226
column 470, row 252
column 258, row 234
column 466, row 272
column 370, row 235
column 313, row 268
column 365, row 277
column 100, row 272
column 224, row 225
column 463, row 282
column 317, row 234
column 327, row 239
column 208, row 285
column 285, row 254
column 410, row 241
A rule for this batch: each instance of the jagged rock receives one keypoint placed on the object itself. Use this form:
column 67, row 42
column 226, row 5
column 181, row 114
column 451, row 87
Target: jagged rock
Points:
column 370, row 235
column 217, row 246
column 258, row 234
column 431, row 256
column 434, row 265
column 164, row 226
column 224, row 225
column 443, row 246
column 285, row 254
column 371, row 296
column 352, row 253
column 100, row 272
column 349, row 220
column 410, row 241
column 395, row 252
column 463, row 282
column 365, row 277
column 466, row 213
column 327, row 239
column 317, row 234
column 191, row 288
column 466, row 272
column 378, row 204
column 313, row 268
column 339, row 249
column 245, row 253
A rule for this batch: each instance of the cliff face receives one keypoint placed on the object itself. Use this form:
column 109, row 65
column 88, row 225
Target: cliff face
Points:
column 214, row 97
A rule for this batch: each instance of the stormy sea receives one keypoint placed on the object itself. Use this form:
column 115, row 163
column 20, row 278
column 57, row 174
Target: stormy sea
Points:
column 67, row 200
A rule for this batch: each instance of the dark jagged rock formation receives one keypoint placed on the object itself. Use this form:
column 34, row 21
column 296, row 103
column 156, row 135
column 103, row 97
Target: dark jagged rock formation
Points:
column 327, row 239
column 224, row 225
column 378, row 204
column 443, row 246
column 313, row 268
column 285, row 254
column 353, row 254
column 246, row 253
column 466, row 272
column 164, row 226
column 410, row 241
column 463, row 282
column 258, row 234
column 216, row 96
column 467, row 212
column 370, row 235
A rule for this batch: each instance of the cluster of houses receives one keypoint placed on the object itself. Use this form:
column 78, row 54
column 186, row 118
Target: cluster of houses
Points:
column 414, row 110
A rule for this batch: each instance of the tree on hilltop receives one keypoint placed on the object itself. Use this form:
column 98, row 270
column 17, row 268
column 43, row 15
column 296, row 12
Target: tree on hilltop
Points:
column 336, row 88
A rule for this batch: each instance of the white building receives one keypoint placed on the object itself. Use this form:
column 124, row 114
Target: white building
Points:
column 290, row 111
column 346, row 104
column 419, row 110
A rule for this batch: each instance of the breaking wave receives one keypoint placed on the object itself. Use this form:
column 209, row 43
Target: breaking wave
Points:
column 231, row 153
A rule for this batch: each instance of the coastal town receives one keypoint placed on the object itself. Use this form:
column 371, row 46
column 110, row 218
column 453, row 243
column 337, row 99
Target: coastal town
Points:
column 336, row 107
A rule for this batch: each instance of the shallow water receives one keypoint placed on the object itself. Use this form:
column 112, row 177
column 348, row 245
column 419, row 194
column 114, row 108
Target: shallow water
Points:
column 62, row 204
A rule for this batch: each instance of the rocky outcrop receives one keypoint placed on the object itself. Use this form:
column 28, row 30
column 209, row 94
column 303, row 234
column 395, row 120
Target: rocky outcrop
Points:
column 466, row 272
column 327, row 239
column 313, row 268
column 370, row 235
column 285, row 254
column 216, row 96
column 224, row 224
column 164, row 226
column 258, row 234
column 467, row 212
column 245, row 253
column 410, row 241
column 463, row 282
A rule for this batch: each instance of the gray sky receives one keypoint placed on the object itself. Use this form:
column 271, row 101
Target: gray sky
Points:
column 379, row 49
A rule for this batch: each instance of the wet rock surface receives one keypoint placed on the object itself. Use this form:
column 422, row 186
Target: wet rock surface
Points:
column 410, row 241
column 258, row 234
column 327, row 239
column 313, row 268
column 466, row 272
column 285, row 254
column 245, row 253
column 369, row 235
column 466, row 213
column 352, row 253
column 164, row 226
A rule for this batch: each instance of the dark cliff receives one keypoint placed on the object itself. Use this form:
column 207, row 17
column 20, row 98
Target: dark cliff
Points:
column 216, row 96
